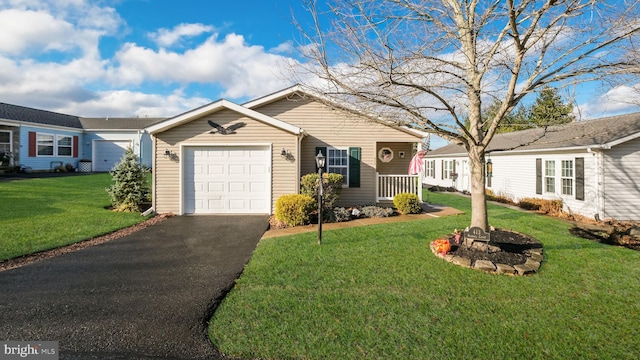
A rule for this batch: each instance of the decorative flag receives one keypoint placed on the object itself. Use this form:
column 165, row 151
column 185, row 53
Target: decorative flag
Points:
column 416, row 164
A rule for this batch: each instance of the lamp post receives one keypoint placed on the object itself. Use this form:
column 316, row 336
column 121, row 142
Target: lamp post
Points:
column 320, row 164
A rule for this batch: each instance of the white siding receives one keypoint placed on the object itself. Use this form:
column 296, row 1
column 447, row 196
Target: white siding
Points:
column 514, row 176
column 462, row 182
column 622, row 181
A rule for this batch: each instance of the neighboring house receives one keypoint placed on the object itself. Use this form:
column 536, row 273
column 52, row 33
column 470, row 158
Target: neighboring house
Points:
column 230, row 158
column 43, row 140
column 593, row 166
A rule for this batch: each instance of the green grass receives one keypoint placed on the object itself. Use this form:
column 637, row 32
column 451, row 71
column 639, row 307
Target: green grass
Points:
column 42, row 214
column 377, row 292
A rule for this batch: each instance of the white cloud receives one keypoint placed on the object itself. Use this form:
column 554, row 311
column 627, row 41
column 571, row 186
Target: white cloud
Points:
column 50, row 58
column 244, row 70
column 619, row 100
column 166, row 38
column 125, row 103
column 43, row 33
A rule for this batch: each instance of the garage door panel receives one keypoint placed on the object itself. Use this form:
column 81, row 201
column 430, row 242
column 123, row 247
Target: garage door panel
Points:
column 215, row 169
column 236, row 187
column 237, row 180
column 236, row 169
column 107, row 153
column 215, row 186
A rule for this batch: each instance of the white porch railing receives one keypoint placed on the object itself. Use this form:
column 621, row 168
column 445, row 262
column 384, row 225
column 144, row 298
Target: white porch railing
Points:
column 388, row 186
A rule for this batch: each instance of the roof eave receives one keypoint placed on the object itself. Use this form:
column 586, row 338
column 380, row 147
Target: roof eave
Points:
column 215, row 107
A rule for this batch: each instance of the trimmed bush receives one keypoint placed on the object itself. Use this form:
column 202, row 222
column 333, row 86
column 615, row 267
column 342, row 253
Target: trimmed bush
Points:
column 332, row 188
column 501, row 198
column 552, row 207
column 294, row 209
column 407, row 203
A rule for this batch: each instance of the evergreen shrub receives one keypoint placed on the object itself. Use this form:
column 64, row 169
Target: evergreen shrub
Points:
column 130, row 188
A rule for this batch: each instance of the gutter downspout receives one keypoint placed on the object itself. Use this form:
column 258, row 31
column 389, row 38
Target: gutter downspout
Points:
column 598, row 181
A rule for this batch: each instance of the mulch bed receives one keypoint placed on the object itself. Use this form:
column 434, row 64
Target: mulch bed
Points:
column 512, row 248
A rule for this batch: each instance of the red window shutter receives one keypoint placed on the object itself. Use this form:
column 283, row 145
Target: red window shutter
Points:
column 75, row 146
column 32, row 144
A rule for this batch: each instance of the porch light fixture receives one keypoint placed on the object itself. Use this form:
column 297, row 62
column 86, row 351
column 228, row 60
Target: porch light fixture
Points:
column 167, row 154
column 283, row 152
column 320, row 160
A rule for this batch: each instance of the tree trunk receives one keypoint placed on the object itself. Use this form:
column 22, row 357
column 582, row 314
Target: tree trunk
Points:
column 479, row 216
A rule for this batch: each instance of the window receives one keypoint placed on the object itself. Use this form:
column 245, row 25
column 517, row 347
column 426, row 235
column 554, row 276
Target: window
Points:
column 45, row 145
column 447, row 169
column 567, row 177
column 550, row 176
column 430, row 169
column 5, row 142
column 64, row 145
column 338, row 163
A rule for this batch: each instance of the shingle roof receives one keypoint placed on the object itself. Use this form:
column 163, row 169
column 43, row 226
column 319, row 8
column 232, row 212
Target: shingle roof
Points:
column 580, row 134
column 21, row 113
column 117, row 123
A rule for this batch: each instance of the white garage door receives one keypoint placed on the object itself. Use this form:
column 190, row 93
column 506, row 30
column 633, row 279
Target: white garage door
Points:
column 231, row 180
column 107, row 153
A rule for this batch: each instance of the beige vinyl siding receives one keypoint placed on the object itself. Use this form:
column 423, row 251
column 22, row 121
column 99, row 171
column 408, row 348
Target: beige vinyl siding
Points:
column 622, row 181
column 197, row 132
column 397, row 166
column 336, row 128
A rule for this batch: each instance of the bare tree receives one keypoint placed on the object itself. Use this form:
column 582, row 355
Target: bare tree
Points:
column 430, row 64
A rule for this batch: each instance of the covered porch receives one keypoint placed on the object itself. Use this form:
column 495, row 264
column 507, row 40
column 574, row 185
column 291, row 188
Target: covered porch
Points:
column 392, row 170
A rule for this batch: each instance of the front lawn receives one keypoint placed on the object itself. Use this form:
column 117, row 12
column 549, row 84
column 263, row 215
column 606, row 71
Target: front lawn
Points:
column 378, row 292
column 42, row 214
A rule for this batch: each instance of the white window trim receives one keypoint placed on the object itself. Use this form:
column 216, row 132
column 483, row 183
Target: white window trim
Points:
column 53, row 140
column 57, row 146
column 546, row 176
column 448, row 169
column 345, row 180
column 430, row 169
column 10, row 143
column 572, row 177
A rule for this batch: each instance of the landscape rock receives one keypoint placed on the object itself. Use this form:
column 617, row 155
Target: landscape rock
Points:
column 485, row 265
column 524, row 269
column 505, row 269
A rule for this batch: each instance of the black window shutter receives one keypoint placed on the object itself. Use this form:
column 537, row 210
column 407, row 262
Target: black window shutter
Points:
column 579, row 178
column 354, row 167
column 538, row 176
column 442, row 169
column 324, row 152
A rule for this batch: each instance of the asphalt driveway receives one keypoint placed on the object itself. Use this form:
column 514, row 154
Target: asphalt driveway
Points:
column 147, row 295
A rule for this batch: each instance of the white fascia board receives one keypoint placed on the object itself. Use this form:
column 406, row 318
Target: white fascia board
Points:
column 621, row 141
column 217, row 106
column 273, row 97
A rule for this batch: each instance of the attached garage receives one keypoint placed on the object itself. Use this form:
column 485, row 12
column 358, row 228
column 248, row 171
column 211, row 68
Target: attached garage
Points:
column 223, row 158
column 227, row 179
column 107, row 153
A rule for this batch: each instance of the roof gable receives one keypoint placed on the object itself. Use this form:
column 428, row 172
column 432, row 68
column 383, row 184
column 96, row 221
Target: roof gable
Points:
column 36, row 116
column 217, row 106
column 300, row 91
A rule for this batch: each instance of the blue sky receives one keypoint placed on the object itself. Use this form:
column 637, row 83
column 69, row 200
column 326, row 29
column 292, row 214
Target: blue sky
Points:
column 160, row 57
